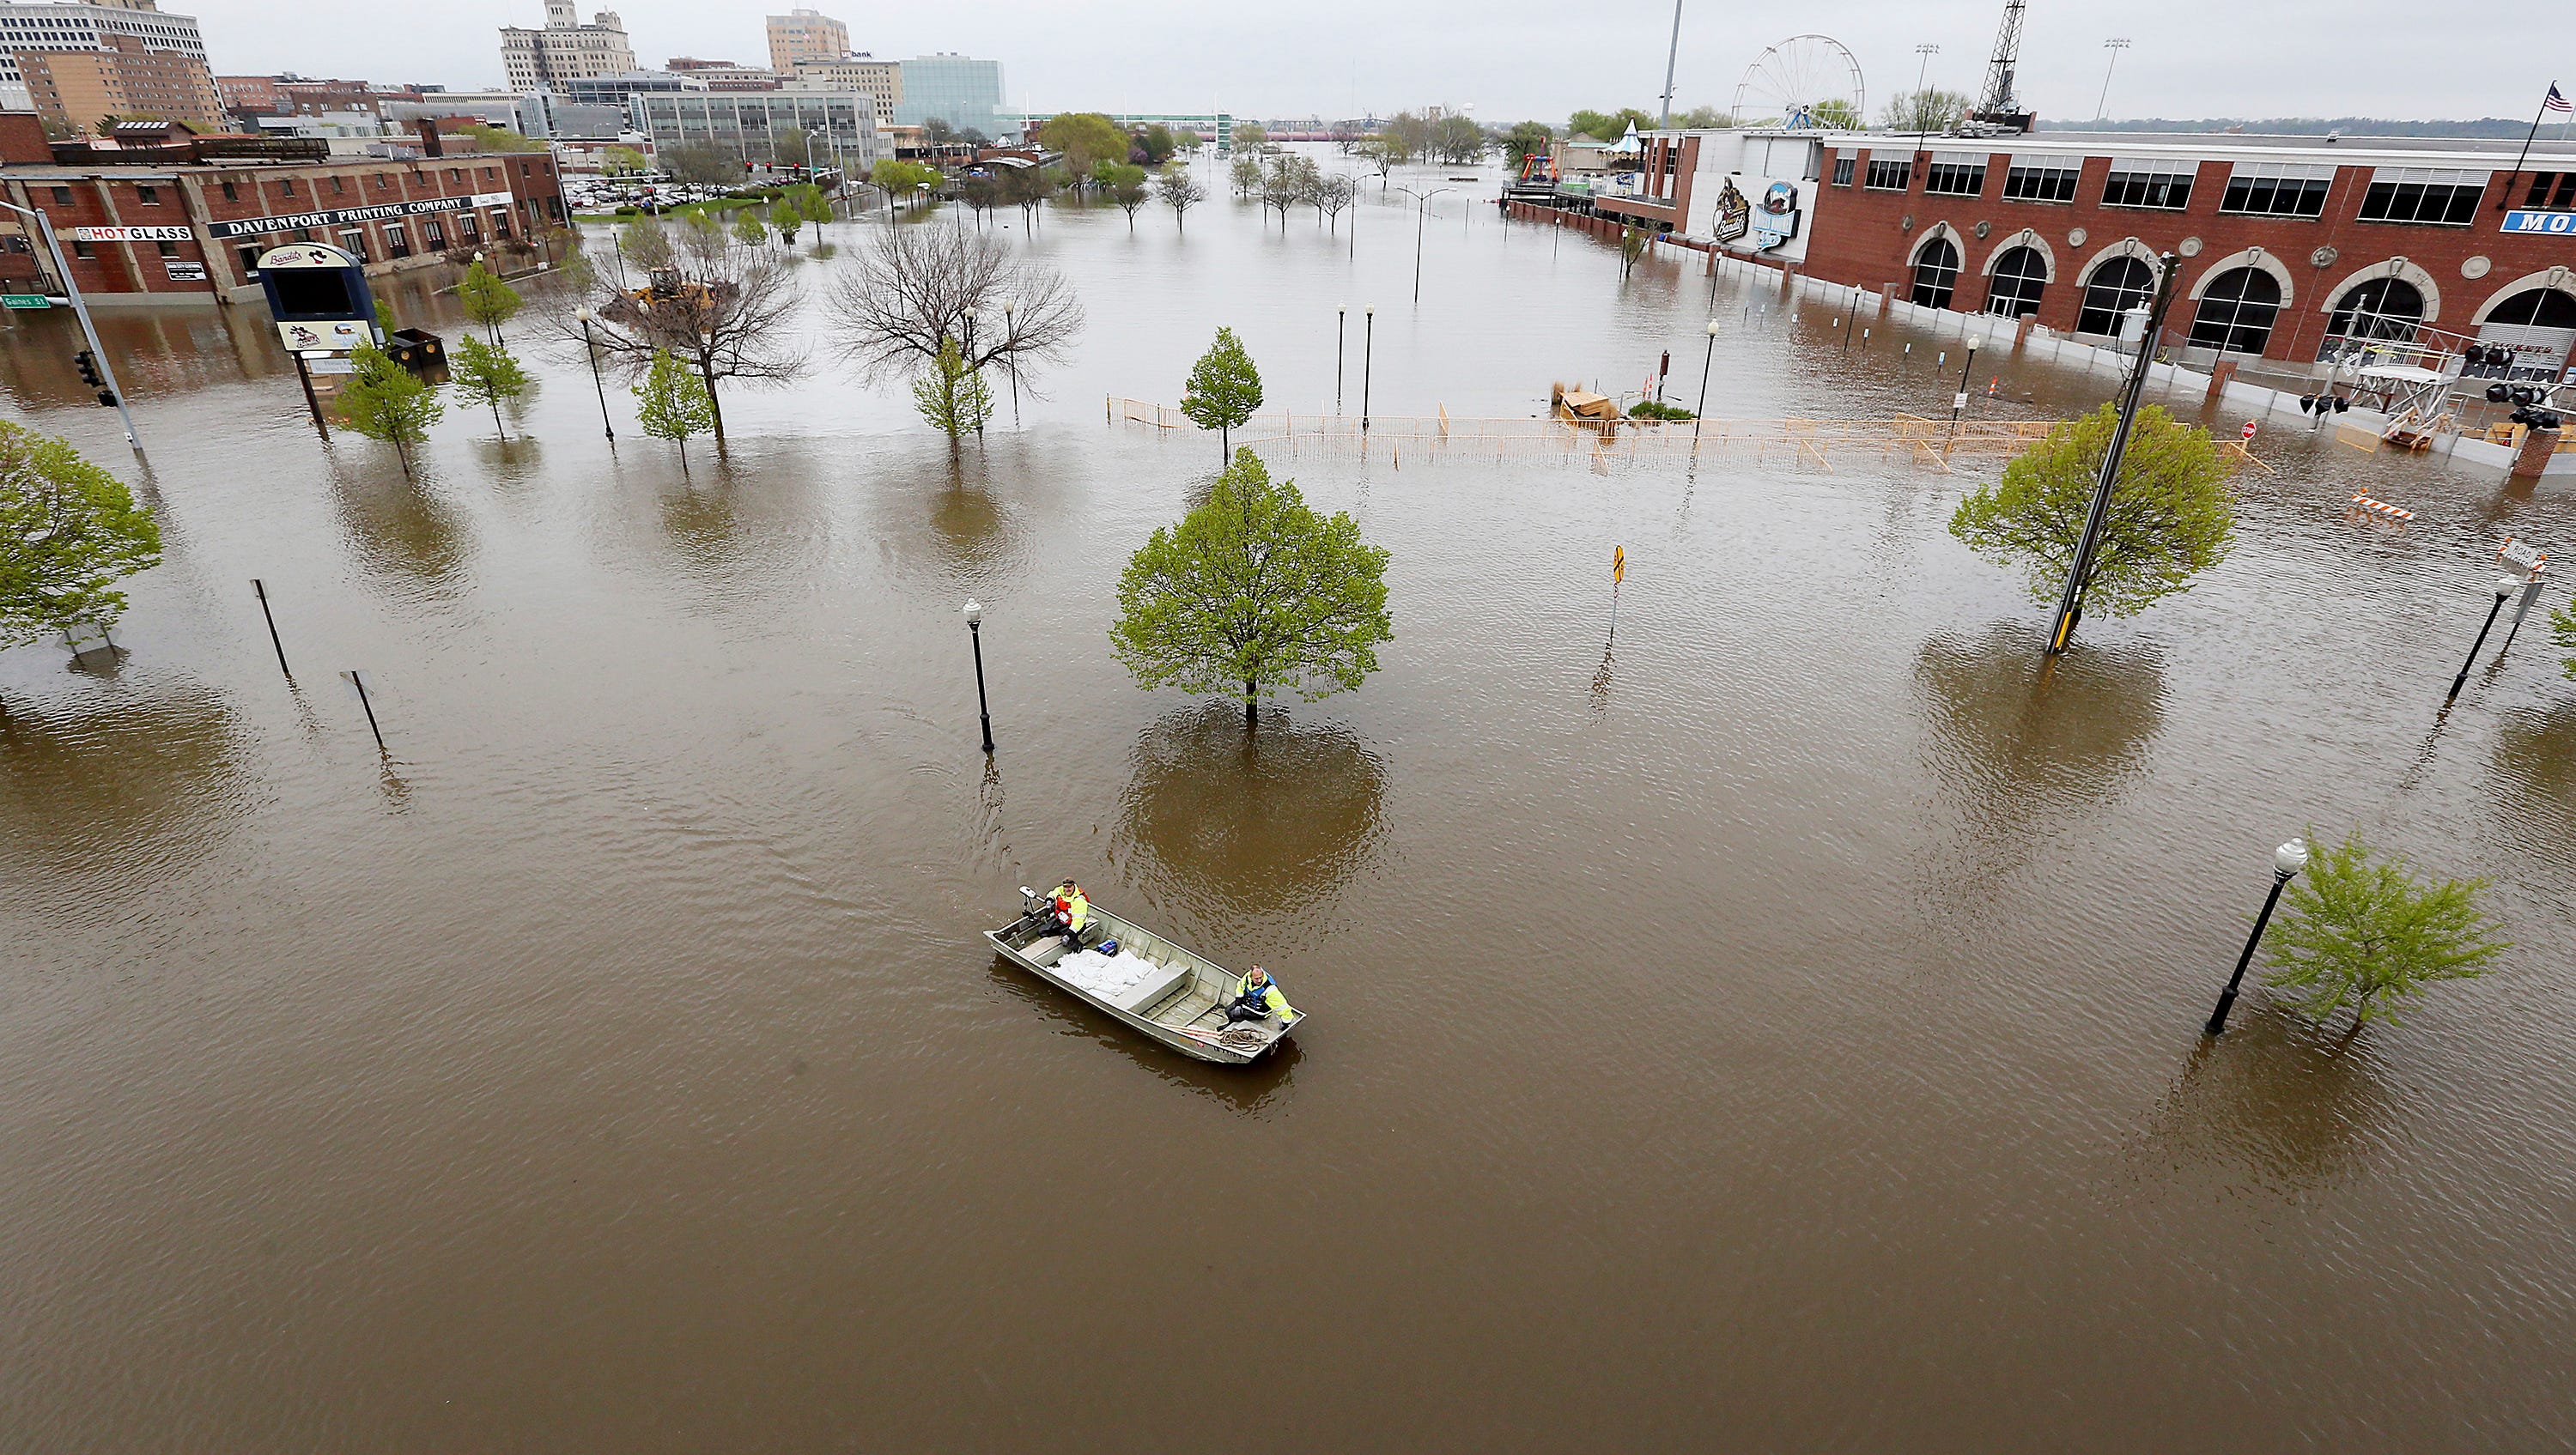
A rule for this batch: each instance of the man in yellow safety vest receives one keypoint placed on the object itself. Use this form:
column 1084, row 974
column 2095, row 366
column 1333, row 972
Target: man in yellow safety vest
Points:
column 1072, row 911
column 1257, row 997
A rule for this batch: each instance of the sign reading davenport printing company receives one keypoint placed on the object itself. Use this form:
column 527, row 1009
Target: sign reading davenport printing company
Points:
column 132, row 234
column 343, row 216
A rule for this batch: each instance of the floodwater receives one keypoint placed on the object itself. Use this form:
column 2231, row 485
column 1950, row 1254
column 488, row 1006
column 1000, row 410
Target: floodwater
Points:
column 1782, row 1036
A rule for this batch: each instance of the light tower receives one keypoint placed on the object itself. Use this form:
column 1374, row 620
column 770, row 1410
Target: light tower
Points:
column 1999, row 107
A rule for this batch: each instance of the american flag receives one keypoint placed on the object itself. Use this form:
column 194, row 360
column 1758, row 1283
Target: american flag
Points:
column 2556, row 102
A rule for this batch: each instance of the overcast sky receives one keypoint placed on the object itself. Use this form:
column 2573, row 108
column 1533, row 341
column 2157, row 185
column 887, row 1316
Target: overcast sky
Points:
column 1509, row 59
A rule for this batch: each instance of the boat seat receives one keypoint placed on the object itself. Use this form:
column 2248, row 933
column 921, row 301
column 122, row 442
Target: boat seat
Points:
column 1155, row 992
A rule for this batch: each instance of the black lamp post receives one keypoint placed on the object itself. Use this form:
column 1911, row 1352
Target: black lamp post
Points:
column 975, row 631
column 1368, row 362
column 2505, row 586
column 587, row 347
column 1705, row 361
column 1341, row 337
column 1959, row 402
column 2287, row 861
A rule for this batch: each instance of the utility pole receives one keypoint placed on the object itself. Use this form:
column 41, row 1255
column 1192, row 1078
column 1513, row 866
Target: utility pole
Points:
column 71, row 290
column 1672, row 56
column 2070, row 604
column 2115, row 45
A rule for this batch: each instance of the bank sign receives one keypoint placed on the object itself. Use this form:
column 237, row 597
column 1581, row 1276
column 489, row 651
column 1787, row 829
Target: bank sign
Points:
column 349, row 216
column 2560, row 224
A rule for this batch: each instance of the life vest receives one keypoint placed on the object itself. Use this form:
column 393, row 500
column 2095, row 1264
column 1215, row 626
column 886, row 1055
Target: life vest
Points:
column 1076, row 911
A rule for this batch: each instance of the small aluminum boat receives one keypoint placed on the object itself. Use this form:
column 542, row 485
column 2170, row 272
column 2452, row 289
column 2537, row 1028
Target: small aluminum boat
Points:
column 1180, row 1001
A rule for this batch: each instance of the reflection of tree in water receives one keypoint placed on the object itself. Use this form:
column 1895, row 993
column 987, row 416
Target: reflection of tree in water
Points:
column 116, row 787
column 2536, row 750
column 948, row 510
column 407, row 536
column 2277, row 1104
column 2023, row 750
column 1243, row 830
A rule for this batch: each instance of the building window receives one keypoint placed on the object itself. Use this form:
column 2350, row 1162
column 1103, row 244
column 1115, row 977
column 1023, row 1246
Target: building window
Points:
column 2383, row 309
column 148, row 196
column 287, row 186
column 249, row 255
column 1844, row 166
column 62, row 196
column 231, row 192
column 2423, row 194
column 353, row 241
column 1955, row 174
column 82, row 249
column 2542, row 194
column 491, row 174
column 2040, row 182
column 431, row 234
column 2236, row 312
column 167, row 248
column 2277, row 189
column 2021, row 275
column 1890, row 176
column 2115, row 287
column 2148, row 184
column 1936, row 274
column 397, row 241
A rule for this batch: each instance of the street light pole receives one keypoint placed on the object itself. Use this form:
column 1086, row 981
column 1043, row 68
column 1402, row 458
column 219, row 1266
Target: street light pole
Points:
column 2115, row 45
column 1368, row 362
column 975, row 631
column 592, row 350
column 80, row 310
column 1422, row 212
column 1341, row 340
column 1959, row 401
column 2505, row 586
column 1706, row 360
column 2070, row 602
column 1922, row 68
column 2287, row 861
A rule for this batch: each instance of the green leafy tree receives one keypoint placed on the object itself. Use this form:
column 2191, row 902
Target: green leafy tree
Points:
column 1457, row 140
column 500, row 139
column 903, row 179
column 1250, row 136
column 1244, row 173
column 385, row 321
column 646, row 243
column 1188, row 140
column 486, row 299
column 700, row 164
column 788, row 218
column 1609, row 125
column 2171, row 514
column 1086, row 138
column 1125, row 184
column 672, row 403
column 2363, row 932
column 622, row 161
column 69, row 531
column 486, row 374
column 1180, row 192
column 1223, row 390
column 385, row 401
column 1930, row 109
column 1405, row 137
column 747, row 228
column 811, row 205
column 1253, row 590
column 2562, row 625
column 952, row 394
column 1704, row 118
column 1157, row 143
column 1526, row 140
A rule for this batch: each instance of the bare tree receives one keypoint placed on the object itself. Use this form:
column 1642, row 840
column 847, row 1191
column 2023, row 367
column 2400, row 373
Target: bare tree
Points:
column 714, row 304
column 1286, row 183
column 1329, row 194
column 1181, row 192
column 917, row 289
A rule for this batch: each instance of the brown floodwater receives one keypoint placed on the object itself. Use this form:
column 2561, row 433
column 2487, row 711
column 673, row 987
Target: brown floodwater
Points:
column 1782, row 1036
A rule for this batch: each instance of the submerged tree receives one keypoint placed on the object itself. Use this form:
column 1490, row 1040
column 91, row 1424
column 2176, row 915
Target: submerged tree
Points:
column 385, row 401
column 952, row 395
column 1244, row 174
column 2170, row 518
column 2368, row 934
column 1253, row 590
column 486, row 374
column 672, row 403
column 916, row 290
column 1223, row 390
column 486, row 299
column 713, row 304
column 1125, row 184
column 69, row 531
column 1180, row 192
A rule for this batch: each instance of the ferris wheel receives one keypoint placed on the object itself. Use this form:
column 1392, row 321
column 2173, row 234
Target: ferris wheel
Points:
column 1806, row 80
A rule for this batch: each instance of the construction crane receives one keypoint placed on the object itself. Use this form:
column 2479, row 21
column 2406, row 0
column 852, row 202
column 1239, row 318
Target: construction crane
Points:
column 1999, row 108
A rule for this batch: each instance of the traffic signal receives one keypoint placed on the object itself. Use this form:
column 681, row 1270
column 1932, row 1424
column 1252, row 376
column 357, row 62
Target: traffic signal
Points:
column 87, row 363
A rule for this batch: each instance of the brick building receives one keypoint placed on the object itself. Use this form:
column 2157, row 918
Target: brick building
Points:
column 2297, row 250
column 79, row 89
column 186, row 223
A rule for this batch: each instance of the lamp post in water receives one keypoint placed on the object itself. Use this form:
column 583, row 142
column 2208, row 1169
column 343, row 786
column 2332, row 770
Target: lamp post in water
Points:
column 2505, row 586
column 975, row 631
column 2287, row 861
column 1705, row 361
column 591, row 349
column 1368, row 362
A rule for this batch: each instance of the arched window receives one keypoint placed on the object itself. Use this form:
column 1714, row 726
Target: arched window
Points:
column 2021, row 275
column 2538, row 308
column 2381, row 309
column 2115, row 287
column 2236, row 312
column 1936, row 273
